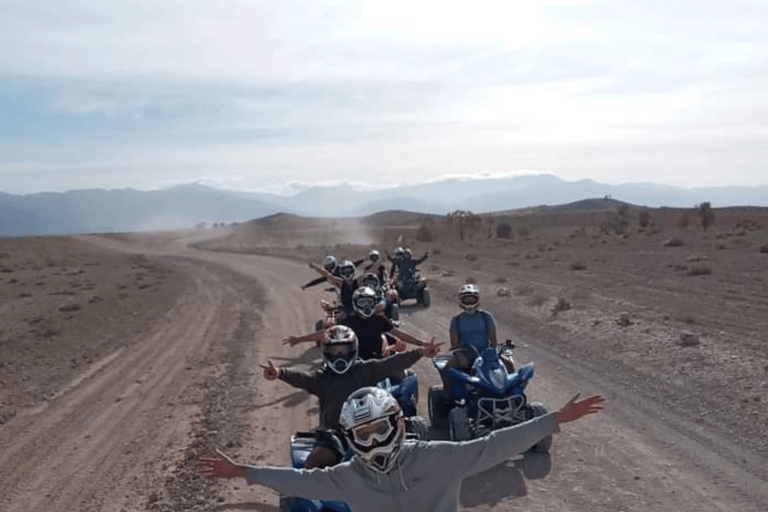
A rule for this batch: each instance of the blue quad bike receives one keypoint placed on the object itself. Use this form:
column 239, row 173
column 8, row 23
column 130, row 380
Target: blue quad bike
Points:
column 484, row 399
column 405, row 392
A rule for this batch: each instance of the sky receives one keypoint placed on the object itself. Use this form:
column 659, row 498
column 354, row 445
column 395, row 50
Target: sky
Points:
column 278, row 95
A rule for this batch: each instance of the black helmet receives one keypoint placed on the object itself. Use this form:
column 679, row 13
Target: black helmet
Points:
column 339, row 348
column 364, row 301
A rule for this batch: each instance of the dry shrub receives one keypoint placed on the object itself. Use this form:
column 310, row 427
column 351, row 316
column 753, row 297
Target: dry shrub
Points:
column 673, row 242
column 560, row 306
column 500, row 280
column 471, row 257
column 699, row 270
column 764, row 249
column 578, row 265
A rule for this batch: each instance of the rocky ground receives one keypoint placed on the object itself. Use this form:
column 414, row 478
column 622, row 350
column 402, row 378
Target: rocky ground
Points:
column 134, row 355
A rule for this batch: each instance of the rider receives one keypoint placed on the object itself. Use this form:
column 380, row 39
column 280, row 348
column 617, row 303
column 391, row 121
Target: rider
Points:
column 342, row 374
column 331, row 265
column 404, row 264
column 391, row 473
column 367, row 325
column 346, row 281
column 380, row 270
column 471, row 331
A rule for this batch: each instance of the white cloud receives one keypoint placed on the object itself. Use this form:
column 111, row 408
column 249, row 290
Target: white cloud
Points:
column 260, row 93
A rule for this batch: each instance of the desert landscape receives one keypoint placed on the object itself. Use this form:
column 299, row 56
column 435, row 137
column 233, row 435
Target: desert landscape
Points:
column 124, row 357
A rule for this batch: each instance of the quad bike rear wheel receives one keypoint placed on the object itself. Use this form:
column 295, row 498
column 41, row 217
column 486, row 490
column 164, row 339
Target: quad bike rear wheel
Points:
column 437, row 404
column 543, row 446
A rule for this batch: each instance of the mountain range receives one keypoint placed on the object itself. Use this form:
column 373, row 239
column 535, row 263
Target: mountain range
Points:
column 99, row 210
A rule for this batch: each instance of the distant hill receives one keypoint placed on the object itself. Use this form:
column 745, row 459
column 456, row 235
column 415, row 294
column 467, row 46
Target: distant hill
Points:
column 98, row 210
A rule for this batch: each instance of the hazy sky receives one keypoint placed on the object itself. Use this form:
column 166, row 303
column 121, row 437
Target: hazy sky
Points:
column 268, row 94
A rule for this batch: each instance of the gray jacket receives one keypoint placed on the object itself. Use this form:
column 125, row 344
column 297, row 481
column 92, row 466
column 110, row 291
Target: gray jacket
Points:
column 426, row 478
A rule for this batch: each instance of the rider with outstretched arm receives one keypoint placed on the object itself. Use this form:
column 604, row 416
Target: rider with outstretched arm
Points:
column 342, row 374
column 389, row 473
column 367, row 325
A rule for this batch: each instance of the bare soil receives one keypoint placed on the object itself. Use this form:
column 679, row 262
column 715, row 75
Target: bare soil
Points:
column 124, row 357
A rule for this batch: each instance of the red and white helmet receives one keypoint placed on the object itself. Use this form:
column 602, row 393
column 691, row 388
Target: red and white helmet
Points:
column 469, row 297
column 374, row 425
column 339, row 348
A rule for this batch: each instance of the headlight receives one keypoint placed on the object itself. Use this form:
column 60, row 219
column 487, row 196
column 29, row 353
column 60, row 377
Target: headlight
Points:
column 498, row 378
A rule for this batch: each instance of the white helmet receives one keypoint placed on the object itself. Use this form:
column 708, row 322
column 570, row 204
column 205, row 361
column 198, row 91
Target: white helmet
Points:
column 329, row 263
column 347, row 270
column 339, row 348
column 371, row 280
column 373, row 423
column 364, row 301
column 373, row 255
column 469, row 297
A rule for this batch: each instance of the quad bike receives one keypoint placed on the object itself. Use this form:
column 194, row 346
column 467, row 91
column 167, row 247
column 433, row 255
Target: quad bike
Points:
column 412, row 285
column 331, row 313
column 302, row 443
column 484, row 399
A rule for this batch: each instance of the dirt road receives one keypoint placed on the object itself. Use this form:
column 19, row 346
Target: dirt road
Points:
column 122, row 436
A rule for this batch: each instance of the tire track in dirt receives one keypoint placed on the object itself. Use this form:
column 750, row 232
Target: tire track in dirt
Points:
column 76, row 453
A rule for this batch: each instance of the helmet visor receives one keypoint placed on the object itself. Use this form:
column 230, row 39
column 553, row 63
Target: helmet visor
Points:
column 339, row 350
column 365, row 302
column 469, row 300
column 347, row 272
column 374, row 433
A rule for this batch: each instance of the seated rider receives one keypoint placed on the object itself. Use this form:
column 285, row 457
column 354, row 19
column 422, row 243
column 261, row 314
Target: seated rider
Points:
column 342, row 374
column 367, row 326
column 471, row 331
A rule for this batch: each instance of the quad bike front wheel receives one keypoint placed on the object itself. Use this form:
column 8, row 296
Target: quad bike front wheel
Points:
column 458, row 425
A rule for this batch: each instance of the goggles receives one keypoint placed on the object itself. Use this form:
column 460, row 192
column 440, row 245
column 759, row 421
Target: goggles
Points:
column 365, row 302
column 339, row 350
column 469, row 300
column 375, row 433
column 347, row 272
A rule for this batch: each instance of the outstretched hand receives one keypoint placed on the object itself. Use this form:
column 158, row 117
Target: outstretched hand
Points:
column 270, row 372
column 573, row 409
column 431, row 349
column 291, row 340
column 219, row 467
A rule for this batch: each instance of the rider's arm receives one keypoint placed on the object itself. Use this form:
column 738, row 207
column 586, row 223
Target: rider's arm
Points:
column 301, row 380
column 421, row 260
column 471, row 457
column 333, row 483
column 313, row 336
column 382, row 368
column 407, row 337
column 330, row 277
column 453, row 331
column 314, row 282
column 359, row 262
